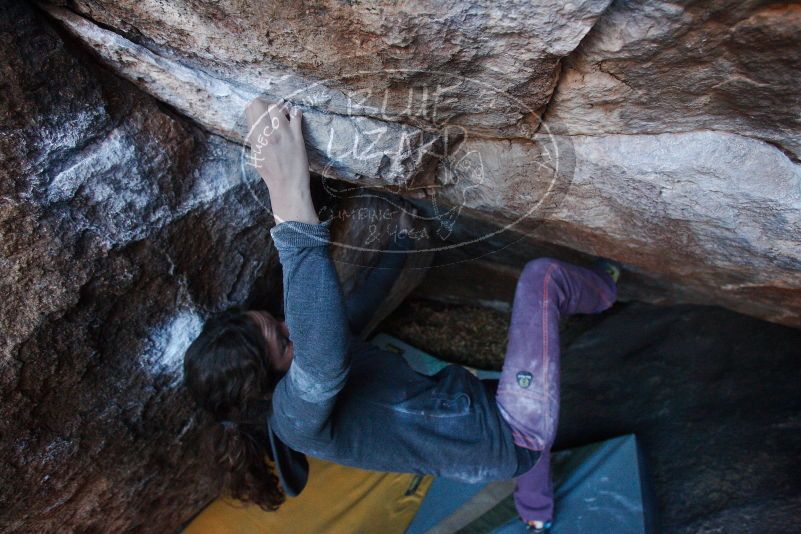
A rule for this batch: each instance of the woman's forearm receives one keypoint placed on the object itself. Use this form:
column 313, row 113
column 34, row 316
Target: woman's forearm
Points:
column 294, row 205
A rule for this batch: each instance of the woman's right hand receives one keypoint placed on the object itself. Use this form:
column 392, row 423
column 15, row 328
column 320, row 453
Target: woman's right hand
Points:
column 278, row 153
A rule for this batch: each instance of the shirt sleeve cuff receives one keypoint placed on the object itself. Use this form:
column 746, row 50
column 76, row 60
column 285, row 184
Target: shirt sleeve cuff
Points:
column 300, row 234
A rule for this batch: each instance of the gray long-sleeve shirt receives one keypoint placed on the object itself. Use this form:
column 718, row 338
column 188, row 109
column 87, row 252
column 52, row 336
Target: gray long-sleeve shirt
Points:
column 352, row 403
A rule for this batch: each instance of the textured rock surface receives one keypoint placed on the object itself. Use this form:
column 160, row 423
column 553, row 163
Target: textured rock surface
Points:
column 126, row 216
column 677, row 123
column 120, row 231
column 382, row 49
column 122, row 226
column 694, row 209
column 655, row 67
column 392, row 154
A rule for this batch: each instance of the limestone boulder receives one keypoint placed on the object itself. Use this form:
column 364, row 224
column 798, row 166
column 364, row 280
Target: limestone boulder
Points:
column 670, row 138
column 422, row 63
column 121, row 227
column 658, row 67
column 696, row 211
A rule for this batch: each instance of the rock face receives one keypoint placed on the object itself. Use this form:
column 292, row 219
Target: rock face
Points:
column 654, row 68
column 386, row 53
column 123, row 227
column 695, row 210
column 664, row 135
column 120, row 232
column 217, row 105
column 670, row 140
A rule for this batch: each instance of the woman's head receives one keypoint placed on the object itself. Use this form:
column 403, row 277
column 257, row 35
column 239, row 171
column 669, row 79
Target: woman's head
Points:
column 276, row 337
column 237, row 359
column 231, row 370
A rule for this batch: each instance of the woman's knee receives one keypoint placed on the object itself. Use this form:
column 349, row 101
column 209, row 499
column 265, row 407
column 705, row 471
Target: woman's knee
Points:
column 539, row 268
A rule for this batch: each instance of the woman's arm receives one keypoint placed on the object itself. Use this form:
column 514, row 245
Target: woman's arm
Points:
column 313, row 303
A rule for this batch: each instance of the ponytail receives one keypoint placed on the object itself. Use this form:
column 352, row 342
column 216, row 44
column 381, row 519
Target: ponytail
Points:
column 240, row 450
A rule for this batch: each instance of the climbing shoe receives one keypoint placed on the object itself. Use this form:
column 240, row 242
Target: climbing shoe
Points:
column 610, row 267
column 539, row 526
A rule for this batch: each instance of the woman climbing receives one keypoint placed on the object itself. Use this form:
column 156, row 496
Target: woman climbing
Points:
column 309, row 386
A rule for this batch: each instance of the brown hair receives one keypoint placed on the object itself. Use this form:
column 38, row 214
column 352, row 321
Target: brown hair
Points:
column 227, row 371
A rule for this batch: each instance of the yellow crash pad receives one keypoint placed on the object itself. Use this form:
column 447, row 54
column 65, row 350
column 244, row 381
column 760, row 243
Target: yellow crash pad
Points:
column 337, row 499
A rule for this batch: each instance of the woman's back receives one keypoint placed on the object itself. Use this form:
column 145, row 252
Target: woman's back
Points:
column 388, row 417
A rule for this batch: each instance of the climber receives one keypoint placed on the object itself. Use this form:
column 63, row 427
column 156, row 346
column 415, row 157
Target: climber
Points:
column 309, row 386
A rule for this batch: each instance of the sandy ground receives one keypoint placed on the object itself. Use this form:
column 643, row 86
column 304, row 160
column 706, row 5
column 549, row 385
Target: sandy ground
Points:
column 468, row 335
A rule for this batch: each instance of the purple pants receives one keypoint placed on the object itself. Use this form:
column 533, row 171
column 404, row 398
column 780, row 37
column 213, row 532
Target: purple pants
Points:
column 528, row 391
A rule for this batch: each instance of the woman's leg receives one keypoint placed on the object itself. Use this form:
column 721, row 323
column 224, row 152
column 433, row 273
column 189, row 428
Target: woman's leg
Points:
column 528, row 391
column 534, row 491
